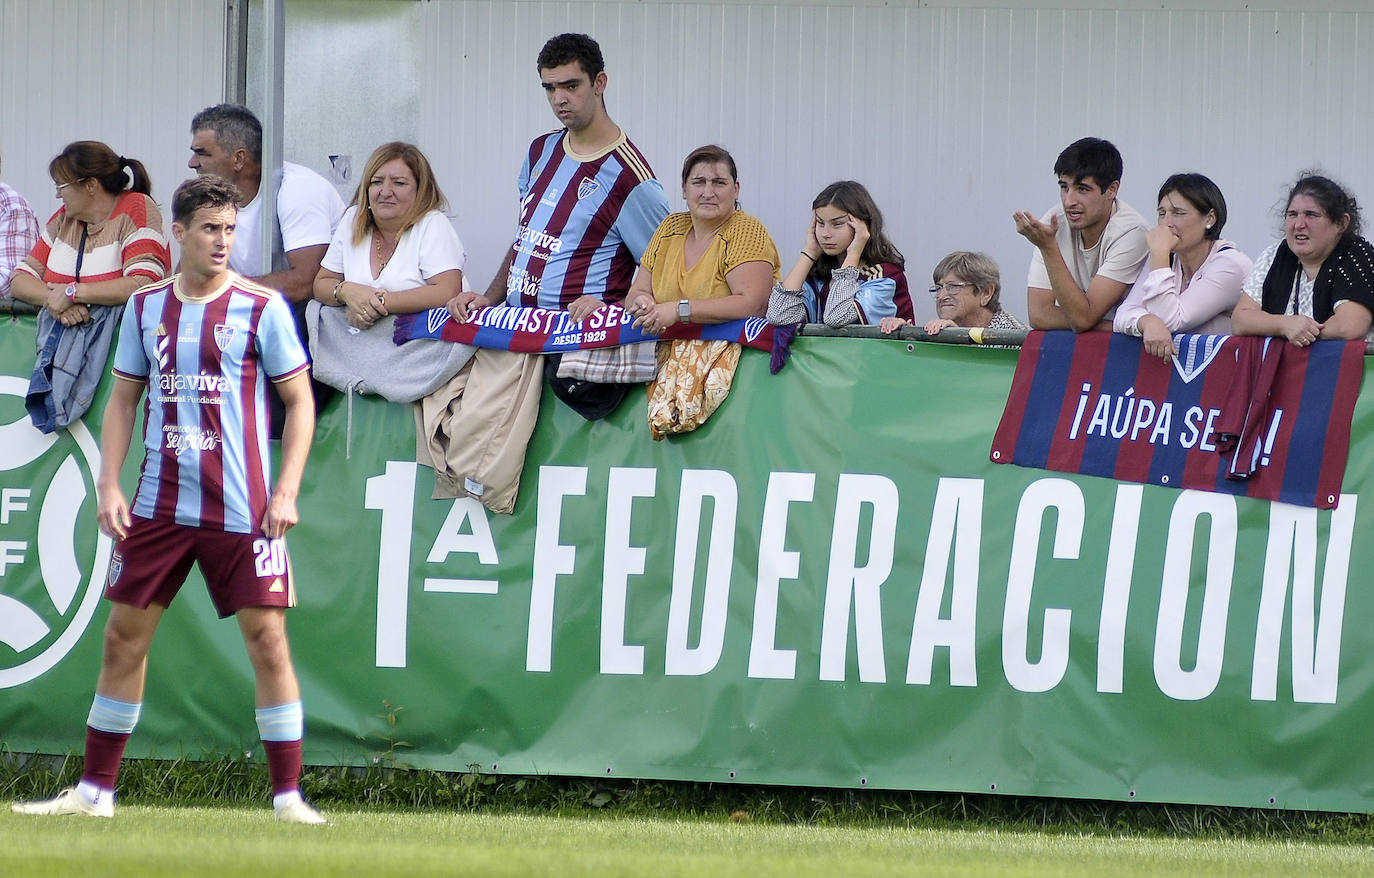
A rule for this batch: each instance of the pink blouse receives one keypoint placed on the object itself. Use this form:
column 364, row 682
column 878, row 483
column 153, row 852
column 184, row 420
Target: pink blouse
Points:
column 1204, row 306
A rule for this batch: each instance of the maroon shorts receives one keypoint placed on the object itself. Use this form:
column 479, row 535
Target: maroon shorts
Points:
column 241, row 570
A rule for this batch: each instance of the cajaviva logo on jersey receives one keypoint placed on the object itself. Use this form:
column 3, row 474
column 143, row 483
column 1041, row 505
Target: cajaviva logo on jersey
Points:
column 52, row 558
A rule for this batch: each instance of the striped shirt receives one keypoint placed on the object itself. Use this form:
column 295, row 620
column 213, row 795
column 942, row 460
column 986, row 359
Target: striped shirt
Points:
column 882, row 293
column 130, row 243
column 207, row 363
column 584, row 222
column 18, row 233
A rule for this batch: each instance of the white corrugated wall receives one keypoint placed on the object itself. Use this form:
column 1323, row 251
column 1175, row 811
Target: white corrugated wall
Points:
column 952, row 112
column 128, row 72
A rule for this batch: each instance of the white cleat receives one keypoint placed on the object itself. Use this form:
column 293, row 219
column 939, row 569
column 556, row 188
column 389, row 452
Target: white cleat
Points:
column 299, row 812
column 69, row 801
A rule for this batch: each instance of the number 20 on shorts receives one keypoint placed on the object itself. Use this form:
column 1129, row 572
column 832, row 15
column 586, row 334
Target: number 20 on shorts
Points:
column 269, row 557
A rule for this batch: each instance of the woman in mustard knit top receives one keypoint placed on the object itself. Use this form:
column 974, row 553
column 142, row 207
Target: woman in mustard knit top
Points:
column 712, row 263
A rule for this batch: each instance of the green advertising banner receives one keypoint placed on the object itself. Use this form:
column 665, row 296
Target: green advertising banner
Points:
column 828, row 584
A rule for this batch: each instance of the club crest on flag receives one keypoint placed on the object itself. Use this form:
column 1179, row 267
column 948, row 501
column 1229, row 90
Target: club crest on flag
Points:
column 753, row 326
column 224, row 334
column 435, row 318
column 1195, row 352
column 587, row 187
column 1232, row 415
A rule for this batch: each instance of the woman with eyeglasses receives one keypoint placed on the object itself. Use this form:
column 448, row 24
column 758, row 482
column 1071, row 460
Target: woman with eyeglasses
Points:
column 967, row 293
column 1193, row 278
column 847, row 270
column 104, row 242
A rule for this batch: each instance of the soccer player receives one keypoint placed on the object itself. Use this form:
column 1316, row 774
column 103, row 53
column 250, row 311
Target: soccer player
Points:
column 203, row 344
column 1089, row 249
column 589, row 202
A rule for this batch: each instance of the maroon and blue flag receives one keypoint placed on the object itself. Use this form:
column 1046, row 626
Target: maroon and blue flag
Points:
column 1251, row 416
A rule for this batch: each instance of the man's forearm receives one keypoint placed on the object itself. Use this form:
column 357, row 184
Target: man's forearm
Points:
column 117, row 429
column 293, row 285
column 1043, row 312
column 296, row 437
column 1071, row 299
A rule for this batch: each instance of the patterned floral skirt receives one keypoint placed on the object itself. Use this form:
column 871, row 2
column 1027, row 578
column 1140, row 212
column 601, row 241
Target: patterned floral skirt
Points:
column 694, row 377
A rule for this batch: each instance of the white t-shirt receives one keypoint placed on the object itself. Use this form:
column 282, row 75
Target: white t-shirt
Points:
column 1119, row 254
column 428, row 248
column 308, row 209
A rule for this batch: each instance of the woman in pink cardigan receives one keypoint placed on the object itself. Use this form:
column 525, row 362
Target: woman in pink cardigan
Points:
column 1193, row 278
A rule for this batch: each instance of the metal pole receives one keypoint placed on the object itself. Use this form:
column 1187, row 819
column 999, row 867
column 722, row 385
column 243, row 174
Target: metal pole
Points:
column 236, row 51
column 274, row 54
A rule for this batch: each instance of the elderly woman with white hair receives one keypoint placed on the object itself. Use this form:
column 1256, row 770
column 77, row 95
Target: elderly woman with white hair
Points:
column 967, row 293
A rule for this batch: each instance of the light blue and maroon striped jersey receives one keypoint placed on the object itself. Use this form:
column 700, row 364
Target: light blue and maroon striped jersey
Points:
column 207, row 364
column 882, row 293
column 584, row 222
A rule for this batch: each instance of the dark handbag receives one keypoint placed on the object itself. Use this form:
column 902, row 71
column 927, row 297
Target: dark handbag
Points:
column 590, row 399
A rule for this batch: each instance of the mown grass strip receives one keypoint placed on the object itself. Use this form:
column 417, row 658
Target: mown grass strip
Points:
column 149, row 841
column 230, row 780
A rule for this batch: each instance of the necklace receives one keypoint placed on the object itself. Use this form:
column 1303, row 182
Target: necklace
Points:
column 377, row 245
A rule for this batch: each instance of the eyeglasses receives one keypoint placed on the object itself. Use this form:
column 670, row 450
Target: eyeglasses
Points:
column 951, row 287
column 61, row 186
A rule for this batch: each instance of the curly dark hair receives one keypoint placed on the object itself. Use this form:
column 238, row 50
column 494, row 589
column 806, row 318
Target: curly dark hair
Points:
column 566, row 48
column 1333, row 198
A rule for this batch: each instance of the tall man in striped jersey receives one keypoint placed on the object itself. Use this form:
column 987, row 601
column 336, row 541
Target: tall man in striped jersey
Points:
column 203, row 344
column 589, row 202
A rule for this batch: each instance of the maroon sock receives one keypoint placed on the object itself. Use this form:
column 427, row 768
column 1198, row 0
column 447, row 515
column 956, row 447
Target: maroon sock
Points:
column 103, row 752
column 283, row 765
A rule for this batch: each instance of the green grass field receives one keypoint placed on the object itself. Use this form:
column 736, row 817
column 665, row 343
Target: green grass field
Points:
column 151, row 841
column 211, row 817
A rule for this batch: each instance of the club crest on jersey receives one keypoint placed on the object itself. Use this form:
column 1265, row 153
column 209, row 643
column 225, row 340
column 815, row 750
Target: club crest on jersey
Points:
column 587, row 187
column 224, row 334
column 116, row 568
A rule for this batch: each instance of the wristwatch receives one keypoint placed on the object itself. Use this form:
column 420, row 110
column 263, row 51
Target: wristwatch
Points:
column 684, row 310
column 71, row 292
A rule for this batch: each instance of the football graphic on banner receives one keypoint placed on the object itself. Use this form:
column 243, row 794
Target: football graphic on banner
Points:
column 47, row 490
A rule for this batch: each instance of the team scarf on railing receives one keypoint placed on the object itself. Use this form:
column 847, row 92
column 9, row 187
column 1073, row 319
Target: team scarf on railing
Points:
column 1252, row 416
column 544, row 331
